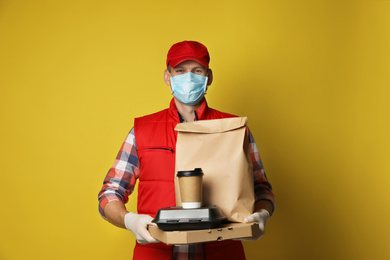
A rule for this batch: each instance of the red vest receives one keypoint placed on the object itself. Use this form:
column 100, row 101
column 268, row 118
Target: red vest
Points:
column 156, row 142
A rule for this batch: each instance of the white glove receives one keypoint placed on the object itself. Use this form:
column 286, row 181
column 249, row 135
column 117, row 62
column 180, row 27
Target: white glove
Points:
column 138, row 225
column 260, row 217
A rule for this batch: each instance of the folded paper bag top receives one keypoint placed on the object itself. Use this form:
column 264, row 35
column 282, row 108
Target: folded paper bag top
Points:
column 212, row 126
column 221, row 148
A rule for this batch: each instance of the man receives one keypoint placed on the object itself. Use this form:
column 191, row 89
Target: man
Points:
column 148, row 155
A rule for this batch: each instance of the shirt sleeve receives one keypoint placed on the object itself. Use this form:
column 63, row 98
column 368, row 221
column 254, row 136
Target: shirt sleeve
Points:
column 263, row 189
column 121, row 178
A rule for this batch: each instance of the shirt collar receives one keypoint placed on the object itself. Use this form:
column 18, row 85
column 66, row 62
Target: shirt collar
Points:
column 200, row 113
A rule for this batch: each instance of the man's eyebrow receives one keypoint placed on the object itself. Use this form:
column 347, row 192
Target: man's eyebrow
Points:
column 200, row 67
column 197, row 67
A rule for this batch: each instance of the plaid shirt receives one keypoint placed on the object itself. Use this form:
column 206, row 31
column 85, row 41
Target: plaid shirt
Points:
column 121, row 178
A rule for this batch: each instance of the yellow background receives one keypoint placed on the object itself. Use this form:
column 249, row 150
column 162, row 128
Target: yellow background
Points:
column 312, row 76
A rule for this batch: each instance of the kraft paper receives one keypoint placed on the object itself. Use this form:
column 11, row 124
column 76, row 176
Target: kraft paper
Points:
column 221, row 148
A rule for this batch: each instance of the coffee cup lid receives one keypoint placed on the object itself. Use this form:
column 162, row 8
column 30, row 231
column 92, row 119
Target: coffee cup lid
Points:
column 195, row 172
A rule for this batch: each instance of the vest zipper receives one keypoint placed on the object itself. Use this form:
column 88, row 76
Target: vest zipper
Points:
column 160, row 148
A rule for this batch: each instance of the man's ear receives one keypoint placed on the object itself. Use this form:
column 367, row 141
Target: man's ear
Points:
column 167, row 77
column 210, row 77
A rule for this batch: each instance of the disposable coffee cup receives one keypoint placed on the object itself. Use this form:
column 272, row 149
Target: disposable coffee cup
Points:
column 190, row 183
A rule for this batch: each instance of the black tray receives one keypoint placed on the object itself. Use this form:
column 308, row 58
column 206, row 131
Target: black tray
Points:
column 177, row 218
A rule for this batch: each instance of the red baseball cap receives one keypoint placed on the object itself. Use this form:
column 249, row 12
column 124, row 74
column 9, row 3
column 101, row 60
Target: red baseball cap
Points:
column 188, row 50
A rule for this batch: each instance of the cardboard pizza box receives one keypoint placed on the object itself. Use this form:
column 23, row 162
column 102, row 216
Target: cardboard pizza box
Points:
column 224, row 232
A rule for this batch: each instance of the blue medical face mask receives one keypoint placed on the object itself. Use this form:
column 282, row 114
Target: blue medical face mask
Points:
column 189, row 88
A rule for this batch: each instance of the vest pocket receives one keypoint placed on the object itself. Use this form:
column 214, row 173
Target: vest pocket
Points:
column 156, row 163
column 155, row 160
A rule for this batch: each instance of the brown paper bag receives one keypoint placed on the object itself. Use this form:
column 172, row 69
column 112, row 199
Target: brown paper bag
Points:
column 221, row 148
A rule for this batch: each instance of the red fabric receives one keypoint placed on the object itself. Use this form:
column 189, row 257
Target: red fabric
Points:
column 156, row 141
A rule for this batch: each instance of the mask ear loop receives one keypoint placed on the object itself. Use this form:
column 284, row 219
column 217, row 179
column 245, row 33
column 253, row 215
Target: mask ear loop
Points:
column 205, row 85
column 170, row 81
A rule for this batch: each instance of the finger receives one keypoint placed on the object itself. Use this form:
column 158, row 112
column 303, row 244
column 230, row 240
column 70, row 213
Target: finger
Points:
column 142, row 242
column 145, row 241
column 252, row 218
column 148, row 221
column 140, row 239
column 147, row 237
column 249, row 219
column 262, row 226
column 153, row 240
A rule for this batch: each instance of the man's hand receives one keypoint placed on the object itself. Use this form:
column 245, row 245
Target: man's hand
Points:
column 138, row 225
column 260, row 217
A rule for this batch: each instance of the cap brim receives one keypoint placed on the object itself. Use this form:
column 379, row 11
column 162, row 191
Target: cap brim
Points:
column 174, row 62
